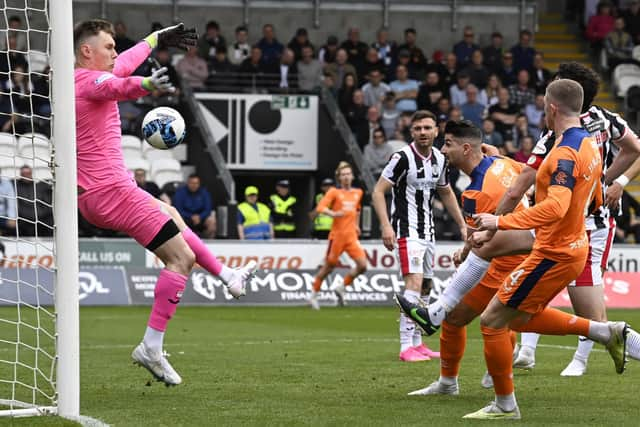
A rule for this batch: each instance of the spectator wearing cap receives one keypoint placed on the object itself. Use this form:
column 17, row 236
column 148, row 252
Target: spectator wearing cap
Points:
column 270, row 46
column 522, row 52
column 465, row 47
column 240, row 49
column 321, row 222
column 193, row 202
column 492, row 54
column 283, row 208
column 298, row 42
column 327, row 53
column 384, row 47
column 208, row 44
column 254, row 218
column 405, row 89
column 377, row 153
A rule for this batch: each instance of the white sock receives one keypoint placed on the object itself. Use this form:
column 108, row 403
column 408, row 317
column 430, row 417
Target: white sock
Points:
column 226, row 273
column 469, row 274
column 599, row 332
column 153, row 339
column 633, row 344
column 417, row 335
column 530, row 339
column 584, row 349
column 507, row 402
column 407, row 327
column 448, row 380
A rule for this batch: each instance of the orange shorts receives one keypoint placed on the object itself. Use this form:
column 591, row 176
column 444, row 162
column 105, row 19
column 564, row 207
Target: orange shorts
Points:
column 478, row 298
column 535, row 282
column 337, row 246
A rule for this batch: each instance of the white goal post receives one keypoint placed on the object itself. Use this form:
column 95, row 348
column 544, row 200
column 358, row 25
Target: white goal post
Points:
column 39, row 309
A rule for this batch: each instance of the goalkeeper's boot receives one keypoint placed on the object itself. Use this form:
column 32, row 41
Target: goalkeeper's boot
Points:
column 417, row 312
column 237, row 286
column 340, row 291
column 156, row 363
column 437, row 387
column 617, row 345
column 526, row 358
column 493, row 412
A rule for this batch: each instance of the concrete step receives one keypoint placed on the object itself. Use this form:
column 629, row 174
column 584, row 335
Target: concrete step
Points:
column 553, row 28
column 566, row 56
column 553, row 64
column 609, row 105
column 564, row 46
column 554, row 36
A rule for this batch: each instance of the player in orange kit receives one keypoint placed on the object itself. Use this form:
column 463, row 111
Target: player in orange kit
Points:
column 343, row 205
column 490, row 177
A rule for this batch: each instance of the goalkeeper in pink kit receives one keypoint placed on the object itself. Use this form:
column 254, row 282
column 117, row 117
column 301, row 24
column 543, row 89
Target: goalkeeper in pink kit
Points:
column 109, row 198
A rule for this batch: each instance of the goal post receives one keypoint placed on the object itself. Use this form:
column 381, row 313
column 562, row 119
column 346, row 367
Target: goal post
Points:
column 39, row 301
column 65, row 210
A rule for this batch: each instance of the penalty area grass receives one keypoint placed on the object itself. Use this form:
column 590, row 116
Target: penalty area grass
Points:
column 295, row 366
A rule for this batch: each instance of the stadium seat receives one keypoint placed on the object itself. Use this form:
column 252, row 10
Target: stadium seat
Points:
column 171, row 187
column 133, row 163
column 131, row 146
column 28, row 139
column 635, row 53
column 622, row 76
column 39, row 149
column 396, row 144
column 625, row 70
column 624, row 83
column 8, row 144
column 38, row 61
column 166, row 170
column 155, row 154
column 42, row 173
column 176, row 58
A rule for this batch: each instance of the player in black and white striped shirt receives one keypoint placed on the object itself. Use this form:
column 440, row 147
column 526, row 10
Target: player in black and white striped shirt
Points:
column 415, row 173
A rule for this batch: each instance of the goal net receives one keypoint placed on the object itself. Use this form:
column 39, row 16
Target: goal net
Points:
column 38, row 319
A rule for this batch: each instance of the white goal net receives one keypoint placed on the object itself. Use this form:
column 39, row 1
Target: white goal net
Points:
column 31, row 165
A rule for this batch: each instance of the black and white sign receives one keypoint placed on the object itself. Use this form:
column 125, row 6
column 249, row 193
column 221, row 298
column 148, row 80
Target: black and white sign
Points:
column 261, row 132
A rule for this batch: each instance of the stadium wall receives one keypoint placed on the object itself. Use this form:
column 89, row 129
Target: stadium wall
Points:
column 120, row 272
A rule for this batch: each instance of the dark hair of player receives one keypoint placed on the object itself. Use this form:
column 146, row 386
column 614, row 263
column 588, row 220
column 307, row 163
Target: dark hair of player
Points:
column 91, row 28
column 587, row 78
column 421, row 115
column 463, row 129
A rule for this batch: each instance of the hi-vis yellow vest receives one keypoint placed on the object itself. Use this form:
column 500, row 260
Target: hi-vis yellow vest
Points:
column 256, row 222
column 322, row 222
column 282, row 207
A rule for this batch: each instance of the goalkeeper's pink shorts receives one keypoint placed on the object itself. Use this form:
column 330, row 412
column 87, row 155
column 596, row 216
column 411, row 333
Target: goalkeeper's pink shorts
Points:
column 124, row 208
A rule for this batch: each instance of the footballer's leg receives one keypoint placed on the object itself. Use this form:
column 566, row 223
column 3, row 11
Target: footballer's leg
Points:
column 470, row 272
column 236, row 279
column 359, row 257
column 334, row 250
column 425, row 289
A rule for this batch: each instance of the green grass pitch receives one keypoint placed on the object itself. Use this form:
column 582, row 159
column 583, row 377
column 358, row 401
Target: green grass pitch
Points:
column 335, row 367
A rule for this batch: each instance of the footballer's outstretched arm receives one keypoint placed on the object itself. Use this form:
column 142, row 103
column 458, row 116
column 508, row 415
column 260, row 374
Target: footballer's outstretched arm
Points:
column 629, row 153
column 614, row 191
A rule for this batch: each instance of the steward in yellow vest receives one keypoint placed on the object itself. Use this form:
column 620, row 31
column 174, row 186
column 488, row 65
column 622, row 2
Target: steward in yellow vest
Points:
column 283, row 206
column 322, row 222
column 254, row 218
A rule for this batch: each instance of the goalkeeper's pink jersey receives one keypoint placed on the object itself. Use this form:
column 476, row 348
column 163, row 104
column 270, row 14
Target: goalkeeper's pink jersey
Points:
column 98, row 135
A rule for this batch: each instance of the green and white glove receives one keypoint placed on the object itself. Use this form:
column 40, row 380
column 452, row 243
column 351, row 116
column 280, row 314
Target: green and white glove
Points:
column 158, row 80
column 175, row 36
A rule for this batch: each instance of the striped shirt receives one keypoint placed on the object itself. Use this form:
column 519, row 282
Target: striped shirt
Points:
column 606, row 128
column 415, row 179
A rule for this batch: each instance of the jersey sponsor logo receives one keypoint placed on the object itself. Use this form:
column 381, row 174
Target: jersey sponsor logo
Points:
column 532, row 160
column 103, row 78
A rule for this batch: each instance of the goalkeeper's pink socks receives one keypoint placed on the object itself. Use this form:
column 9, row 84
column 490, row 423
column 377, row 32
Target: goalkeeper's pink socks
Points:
column 205, row 258
column 167, row 295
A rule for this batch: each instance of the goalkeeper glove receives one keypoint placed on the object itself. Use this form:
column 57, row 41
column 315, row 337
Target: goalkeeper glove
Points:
column 175, row 36
column 158, row 80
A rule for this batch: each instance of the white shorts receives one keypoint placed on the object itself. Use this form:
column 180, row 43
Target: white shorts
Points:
column 416, row 256
column 600, row 241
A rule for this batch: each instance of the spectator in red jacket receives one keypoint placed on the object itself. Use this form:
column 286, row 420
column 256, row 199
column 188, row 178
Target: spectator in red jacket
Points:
column 600, row 25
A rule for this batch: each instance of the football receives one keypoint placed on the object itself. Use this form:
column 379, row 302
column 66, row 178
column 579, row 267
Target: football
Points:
column 163, row 128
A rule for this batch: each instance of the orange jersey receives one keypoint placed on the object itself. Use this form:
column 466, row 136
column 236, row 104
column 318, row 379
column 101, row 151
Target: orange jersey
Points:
column 346, row 201
column 489, row 181
column 568, row 188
